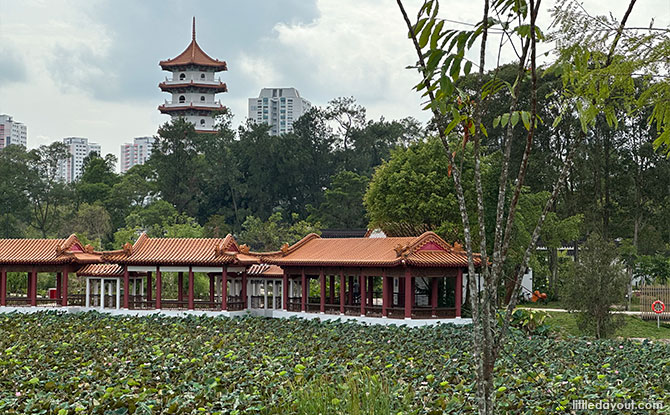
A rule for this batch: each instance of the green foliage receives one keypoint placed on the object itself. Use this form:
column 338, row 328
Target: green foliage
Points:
column 654, row 269
column 271, row 234
column 599, row 67
column 414, row 187
column 529, row 321
column 342, row 205
column 597, row 283
column 16, row 180
column 95, row 364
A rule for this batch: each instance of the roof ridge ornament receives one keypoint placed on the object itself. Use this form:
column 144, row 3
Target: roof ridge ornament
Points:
column 193, row 27
column 127, row 248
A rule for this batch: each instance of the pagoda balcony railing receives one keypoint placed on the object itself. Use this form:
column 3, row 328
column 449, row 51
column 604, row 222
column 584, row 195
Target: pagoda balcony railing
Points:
column 173, row 81
column 211, row 104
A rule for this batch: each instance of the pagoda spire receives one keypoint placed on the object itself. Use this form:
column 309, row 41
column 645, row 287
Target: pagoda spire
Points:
column 193, row 27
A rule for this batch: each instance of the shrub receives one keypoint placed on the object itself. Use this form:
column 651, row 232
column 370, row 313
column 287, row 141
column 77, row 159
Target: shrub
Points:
column 597, row 283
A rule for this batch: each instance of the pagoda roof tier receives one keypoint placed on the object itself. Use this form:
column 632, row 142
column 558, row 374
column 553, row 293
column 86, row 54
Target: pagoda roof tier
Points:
column 171, row 86
column 193, row 56
column 176, row 108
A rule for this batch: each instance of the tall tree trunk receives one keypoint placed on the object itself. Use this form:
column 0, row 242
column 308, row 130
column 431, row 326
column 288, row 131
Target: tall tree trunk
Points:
column 553, row 271
column 606, row 178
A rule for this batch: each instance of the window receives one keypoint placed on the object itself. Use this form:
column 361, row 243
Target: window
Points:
column 182, row 76
column 202, row 76
column 202, row 121
column 182, row 99
column 202, row 98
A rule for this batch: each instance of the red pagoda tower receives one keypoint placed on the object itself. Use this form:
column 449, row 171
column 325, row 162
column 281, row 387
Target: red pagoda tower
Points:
column 193, row 86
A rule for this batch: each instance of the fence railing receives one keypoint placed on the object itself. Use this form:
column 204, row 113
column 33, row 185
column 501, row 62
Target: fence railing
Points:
column 648, row 295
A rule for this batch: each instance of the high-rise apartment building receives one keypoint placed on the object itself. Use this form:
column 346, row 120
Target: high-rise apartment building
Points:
column 69, row 169
column 279, row 107
column 137, row 152
column 12, row 132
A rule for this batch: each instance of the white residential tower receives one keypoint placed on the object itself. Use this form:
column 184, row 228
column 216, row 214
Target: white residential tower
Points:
column 279, row 107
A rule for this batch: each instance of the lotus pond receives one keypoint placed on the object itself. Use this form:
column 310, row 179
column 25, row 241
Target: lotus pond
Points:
column 92, row 363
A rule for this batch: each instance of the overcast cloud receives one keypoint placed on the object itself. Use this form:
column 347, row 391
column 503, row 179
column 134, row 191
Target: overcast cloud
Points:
column 89, row 68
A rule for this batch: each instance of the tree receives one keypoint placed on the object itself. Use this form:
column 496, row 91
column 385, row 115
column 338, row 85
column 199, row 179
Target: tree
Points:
column 590, row 77
column 97, row 178
column 597, row 283
column 47, row 191
column 342, row 205
column 348, row 115
column 414, row 188
column 16, row 180
column 271, row 234
column 179, row 165
column 91, row 221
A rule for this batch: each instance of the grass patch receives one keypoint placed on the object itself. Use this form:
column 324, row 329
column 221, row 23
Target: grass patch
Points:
column 566, row 325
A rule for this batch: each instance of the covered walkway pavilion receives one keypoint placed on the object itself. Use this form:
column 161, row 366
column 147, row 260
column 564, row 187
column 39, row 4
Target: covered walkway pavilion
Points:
column 220, row 259
column 408, row 277
column 33, row 257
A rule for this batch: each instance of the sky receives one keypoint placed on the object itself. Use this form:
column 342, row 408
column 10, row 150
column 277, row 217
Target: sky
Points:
column 89, row 68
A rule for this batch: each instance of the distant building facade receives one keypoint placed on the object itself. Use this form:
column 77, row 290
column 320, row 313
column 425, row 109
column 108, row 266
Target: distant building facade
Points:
column 137, row 152
column 193, row 87
column 278, row 107
column 12, row 132
column 69, row 169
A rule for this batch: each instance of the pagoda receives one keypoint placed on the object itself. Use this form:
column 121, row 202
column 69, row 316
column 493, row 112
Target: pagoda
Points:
column 193, row 86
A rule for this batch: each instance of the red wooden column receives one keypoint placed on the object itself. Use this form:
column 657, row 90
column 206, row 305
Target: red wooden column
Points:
column 332, row 289
column 180, row 287
column 284, row 286
column 64, row 287
column 413, row 291
column 371, row 290
column 342, row 294
column 322, row 281
column 433, row 295
column 303, row 288
column 3, row 287
column 244, row 290
column 33, row 286
column 159, row 286
column 224, row 289
column 58, row 284
column 150, row 287
column 351, row 290
column 211, row 289
column 126, row 288
column 191, row 290
column 29, row 290
column 408, row 293
column 459, row 292
column 363, row 296
column 385, row 294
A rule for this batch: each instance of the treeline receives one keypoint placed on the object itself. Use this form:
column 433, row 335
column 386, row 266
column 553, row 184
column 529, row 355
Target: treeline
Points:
column 265, row 189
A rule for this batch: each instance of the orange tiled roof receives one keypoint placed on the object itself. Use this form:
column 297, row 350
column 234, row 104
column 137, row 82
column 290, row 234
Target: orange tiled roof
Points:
column 427, row 250
column 101, row 270
column 46, row 251
column 194, row 55
column 265, row 270
column 181, row 251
